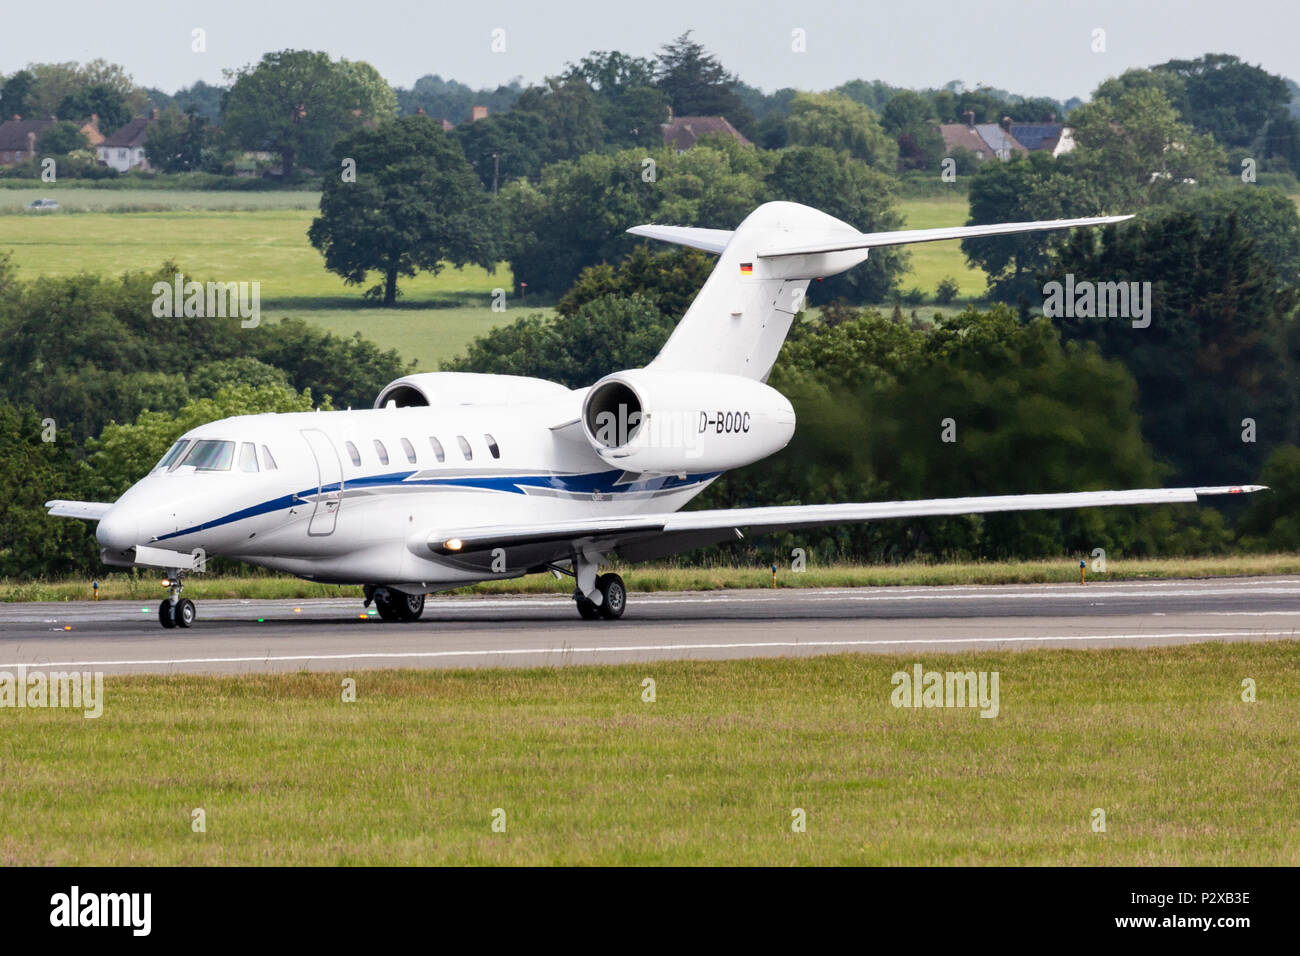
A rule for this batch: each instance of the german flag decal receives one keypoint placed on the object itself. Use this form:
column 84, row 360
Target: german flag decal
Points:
column 747, row 268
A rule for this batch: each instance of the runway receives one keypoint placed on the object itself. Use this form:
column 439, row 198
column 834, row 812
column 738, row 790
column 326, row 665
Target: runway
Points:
column 236, row 636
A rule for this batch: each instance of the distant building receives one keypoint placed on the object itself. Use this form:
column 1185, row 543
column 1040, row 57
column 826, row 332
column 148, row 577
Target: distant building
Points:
column 19, row 138
column 124, row 150
column 1006, row 139
column 477, row 113
column 681, row 132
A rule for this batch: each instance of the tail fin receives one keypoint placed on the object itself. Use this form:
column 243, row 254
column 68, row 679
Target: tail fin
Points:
column 741, row 316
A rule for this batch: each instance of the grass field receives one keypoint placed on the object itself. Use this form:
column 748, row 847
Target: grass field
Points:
column 934, row 261
column 262, row 236
column 122, row 586
column 711, row 772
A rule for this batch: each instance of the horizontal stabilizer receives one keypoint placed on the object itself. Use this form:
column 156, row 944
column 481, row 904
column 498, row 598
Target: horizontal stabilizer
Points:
column 710, row 240
column 89, row 510
column 872, row 240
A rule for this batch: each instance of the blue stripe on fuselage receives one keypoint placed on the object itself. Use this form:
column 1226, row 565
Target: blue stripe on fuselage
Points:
column 593, row 483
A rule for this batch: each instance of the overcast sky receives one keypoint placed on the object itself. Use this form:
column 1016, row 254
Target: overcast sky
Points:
column 1034, row 48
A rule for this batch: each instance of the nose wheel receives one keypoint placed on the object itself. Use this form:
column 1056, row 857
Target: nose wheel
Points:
column 176, row 611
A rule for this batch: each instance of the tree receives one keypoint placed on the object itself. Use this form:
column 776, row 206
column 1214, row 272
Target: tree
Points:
column 1136, row 151
column 176, row 143
column 670, row 278
column 52, row 83
column 578, row 213
column 1026, row 188
column 415, row 204
column 571, row 115
column 16, row 94
column 1226, row 98
column 299, row 102
column 697, row 84
column 607, row 333
column 63, row 138
column 837, row 122
column 850, row 190
column 101, row 100
column 1222, row 344
column 503, row 147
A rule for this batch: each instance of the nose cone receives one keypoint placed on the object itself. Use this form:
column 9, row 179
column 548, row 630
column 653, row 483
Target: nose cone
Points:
column 118, row 531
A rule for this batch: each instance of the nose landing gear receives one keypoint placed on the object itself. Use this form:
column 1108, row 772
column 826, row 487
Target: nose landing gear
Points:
column 176, row 611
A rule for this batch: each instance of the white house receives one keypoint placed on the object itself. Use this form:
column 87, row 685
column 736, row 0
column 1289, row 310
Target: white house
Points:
column 125, row 149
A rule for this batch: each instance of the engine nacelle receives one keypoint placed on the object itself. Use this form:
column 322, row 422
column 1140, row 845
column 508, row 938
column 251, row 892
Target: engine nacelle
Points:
column 662, row 422
column 467, row 388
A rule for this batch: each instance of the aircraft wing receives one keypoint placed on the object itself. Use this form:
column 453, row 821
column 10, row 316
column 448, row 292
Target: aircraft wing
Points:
column 89, row 510
column 872, row 240
column 640, row 537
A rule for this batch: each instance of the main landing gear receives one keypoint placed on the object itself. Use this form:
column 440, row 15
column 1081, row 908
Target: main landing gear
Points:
column 176, row 611
column 596, row 596
column 613, row 594
column 394, row 605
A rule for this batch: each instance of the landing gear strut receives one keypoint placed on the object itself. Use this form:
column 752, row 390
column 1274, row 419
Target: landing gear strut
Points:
column 597, row 596
column 176, row 611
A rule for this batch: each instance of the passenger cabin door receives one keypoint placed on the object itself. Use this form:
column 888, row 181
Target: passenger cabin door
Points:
column 329, row 483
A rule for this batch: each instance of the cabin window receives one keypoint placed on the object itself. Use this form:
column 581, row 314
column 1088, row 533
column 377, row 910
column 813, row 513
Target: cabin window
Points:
column 248, row 456
column 410, row 451
column 268, row 463
column 436, row 445
column 381, row 451
column 211, row 455
column 173, row 454
column 492, row 445
column 353, row 454
column 464, row 448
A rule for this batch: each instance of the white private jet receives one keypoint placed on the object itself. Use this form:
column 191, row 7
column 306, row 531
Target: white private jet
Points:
column 454, row 478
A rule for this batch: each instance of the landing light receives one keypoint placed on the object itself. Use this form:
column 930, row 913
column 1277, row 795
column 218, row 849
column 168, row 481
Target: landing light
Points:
column 453, row 544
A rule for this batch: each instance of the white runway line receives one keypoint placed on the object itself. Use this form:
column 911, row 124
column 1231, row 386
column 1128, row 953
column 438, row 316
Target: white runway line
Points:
column 647, row 648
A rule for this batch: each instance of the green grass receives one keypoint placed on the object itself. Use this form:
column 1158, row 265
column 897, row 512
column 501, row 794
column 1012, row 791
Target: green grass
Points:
column 74, row 199
column 256, row 237
column 123, row 586
column 934, row 261
column 587, row 773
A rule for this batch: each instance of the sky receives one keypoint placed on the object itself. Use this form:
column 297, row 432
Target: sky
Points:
column 1031, row 47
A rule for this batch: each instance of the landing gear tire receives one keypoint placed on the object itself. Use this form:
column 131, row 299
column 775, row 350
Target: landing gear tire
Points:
column 588, row 610
column 398, row 605
column 165, row 616
column 614, row 592
column 185, row 613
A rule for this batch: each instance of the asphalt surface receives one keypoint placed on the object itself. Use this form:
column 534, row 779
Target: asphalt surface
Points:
column 251, row 636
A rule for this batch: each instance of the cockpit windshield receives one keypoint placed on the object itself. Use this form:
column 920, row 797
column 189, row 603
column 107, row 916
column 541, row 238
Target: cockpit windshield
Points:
column 211, row 455
column 173, row 454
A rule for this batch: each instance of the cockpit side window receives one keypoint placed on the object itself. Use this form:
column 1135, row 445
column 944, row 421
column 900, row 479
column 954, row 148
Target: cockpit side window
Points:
column 211, row 455
column 248, row 456
column 268, row 463
column 410, row 451
column 173, row 454
column 353, row 454
column 381, row 451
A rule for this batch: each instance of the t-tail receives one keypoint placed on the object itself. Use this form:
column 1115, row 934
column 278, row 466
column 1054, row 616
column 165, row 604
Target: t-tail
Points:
column 741, row 316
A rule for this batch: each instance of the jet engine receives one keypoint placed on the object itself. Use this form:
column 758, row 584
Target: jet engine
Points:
column 662, row 422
